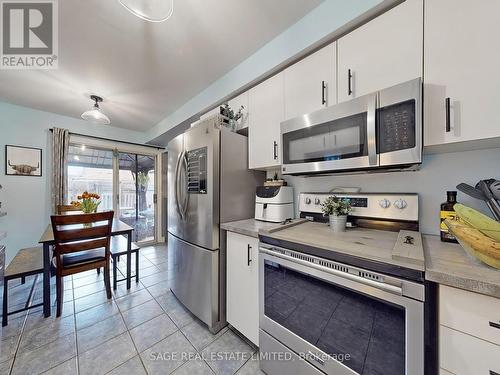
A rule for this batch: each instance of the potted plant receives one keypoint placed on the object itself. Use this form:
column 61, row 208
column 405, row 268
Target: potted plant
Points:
column 232, row 116
column 337, row 210
column 87, row 202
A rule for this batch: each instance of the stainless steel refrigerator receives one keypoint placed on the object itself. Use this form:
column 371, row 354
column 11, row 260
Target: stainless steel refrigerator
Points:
column 209, row 183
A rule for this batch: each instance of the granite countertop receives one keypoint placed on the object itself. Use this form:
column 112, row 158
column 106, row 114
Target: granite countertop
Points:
column 449, row 264
column 251, row 227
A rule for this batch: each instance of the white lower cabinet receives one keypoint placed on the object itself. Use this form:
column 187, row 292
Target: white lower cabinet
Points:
column 468, row 334
column 242, row 279
column 462, row 354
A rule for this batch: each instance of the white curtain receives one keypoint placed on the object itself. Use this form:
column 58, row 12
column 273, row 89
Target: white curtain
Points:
column 60, row 149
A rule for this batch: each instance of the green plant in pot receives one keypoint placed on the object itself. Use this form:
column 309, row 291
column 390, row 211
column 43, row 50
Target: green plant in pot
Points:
column 337, row 210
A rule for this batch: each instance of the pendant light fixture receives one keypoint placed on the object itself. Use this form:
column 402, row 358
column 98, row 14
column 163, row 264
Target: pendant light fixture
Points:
column 95, row 115
column 150, row 10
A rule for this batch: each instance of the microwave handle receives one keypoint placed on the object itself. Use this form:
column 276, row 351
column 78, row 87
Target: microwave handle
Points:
column 371, row 130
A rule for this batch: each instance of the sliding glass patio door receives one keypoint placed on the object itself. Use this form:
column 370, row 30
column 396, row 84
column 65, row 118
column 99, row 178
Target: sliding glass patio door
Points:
column 137, row 195
column 126, row 182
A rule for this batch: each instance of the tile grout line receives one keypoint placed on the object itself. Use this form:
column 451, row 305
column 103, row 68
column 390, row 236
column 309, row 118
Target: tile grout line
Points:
column 131, row 339
column 75, row 329
column 26, row 313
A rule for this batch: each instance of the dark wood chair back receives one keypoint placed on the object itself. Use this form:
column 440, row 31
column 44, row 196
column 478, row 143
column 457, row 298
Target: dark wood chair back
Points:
column 75, row 233
column 81, row 244
column 63, row 208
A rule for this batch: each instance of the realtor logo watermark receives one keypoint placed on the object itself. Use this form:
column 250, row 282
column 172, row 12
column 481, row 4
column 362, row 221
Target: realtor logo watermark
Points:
column 29, row 34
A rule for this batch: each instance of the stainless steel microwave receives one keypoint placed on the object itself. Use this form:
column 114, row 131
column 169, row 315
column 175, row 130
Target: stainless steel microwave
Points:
column 382, row 130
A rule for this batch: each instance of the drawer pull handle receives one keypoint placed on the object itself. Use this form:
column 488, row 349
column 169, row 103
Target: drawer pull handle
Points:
column 495, row 325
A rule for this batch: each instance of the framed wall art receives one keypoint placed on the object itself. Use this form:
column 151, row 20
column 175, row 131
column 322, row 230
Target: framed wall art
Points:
column 23, row 161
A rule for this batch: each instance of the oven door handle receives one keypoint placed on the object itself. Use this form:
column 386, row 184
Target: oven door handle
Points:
column 398, row 290
column 371, row 130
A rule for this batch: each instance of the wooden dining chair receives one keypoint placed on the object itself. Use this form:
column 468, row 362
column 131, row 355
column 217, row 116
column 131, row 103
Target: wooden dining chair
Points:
column 65, row 208
column 81, row 244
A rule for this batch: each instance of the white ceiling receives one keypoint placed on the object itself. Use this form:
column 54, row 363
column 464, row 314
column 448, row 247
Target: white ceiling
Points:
column 146, row 70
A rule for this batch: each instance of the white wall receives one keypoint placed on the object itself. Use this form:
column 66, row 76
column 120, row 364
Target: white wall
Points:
column 27, row 200
column 439, row 173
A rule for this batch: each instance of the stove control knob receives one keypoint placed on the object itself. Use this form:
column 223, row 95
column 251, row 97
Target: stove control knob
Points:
column 317, row 201
column 400, row 203
column 384, row 203
column 308, row 200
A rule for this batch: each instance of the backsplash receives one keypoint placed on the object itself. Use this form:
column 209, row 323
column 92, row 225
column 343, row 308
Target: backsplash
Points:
column 439, row 173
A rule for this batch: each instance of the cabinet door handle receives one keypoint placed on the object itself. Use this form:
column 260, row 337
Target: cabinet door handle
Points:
column 249, row 259
column 448, row 117
column 495, row 325
column 275, row 150
column 349, row 82
column 323, row 92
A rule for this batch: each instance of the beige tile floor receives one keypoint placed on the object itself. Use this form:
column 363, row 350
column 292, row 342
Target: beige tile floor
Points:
column 144, row 330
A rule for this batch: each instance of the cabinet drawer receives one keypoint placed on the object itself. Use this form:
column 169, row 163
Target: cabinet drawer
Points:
column 463, row 354
column 472, row 313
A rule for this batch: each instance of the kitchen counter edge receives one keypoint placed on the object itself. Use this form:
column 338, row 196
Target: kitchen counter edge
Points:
column 252, row 227
column 448, row 264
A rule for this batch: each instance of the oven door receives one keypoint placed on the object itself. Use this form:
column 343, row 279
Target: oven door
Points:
column 399, row 124
column 341, row 137
column 339, row 318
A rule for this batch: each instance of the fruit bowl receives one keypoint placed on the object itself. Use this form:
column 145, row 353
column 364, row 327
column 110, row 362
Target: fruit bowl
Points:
column 475, row 243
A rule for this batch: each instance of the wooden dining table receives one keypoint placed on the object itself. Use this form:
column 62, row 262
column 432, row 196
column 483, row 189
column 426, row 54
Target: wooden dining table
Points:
column 47, row 240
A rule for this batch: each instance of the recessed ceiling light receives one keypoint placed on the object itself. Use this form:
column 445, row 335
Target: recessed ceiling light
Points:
column 95, row 114
column 150, row 10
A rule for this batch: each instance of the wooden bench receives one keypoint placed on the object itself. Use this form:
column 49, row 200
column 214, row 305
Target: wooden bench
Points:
column 118, row 247
column 27, row 262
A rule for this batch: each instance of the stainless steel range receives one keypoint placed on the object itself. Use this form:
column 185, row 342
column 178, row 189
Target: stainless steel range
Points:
column 345, row 303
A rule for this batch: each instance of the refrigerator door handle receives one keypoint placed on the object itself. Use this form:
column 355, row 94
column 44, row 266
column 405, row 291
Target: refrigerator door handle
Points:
column 186, row 201
column 177, row 188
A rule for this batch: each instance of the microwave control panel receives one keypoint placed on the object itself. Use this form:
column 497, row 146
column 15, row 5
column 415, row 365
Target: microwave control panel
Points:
column 396, row 127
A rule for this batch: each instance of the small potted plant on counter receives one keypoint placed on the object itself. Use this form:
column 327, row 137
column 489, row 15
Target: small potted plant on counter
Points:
column 337, row 210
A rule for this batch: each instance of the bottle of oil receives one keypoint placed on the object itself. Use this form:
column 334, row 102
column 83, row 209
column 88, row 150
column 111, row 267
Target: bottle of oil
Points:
column 447, row 212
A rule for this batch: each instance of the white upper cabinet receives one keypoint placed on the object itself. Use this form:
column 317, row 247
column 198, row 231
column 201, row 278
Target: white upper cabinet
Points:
column 461, row 64
column 384, row 52
column 310, row 84
column 236, row 103
column 267, row 111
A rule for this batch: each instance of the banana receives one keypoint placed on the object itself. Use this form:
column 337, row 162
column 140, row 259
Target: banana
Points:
column 475, row 243
column 476, row 219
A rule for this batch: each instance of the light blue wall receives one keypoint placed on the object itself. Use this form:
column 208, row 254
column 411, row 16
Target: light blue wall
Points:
column 325, row 19
column 439, row 173
column 27, row 199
